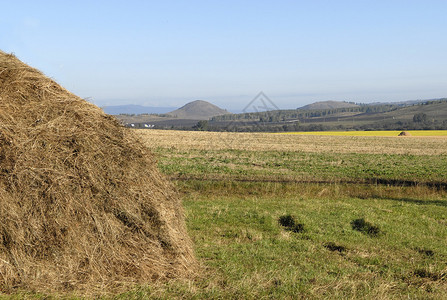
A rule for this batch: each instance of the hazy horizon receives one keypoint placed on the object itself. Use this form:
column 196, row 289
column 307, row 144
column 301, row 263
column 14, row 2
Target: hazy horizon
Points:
column 123, row 102
column 297, row 52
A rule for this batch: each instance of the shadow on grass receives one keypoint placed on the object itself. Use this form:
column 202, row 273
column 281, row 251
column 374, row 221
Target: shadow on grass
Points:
column 412, row 201
column 402, row 182
column 289, row 223
column 365, row 227
column 235, row 180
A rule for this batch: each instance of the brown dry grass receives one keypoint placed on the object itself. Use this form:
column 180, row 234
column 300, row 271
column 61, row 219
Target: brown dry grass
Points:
column 281, row 142
column 83, row 206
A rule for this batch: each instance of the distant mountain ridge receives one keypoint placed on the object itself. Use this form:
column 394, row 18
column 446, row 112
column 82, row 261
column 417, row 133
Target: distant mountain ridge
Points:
column 198, row 110
column 328, row 105
column 135, row 109
column 405, row 103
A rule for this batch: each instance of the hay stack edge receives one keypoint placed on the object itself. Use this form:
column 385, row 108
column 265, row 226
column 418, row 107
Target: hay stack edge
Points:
column 404, row 133
column 82, row 203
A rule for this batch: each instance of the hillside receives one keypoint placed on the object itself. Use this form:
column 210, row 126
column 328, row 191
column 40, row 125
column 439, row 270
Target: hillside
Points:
column 328, row 105
column 198, row 110
column 432, row 115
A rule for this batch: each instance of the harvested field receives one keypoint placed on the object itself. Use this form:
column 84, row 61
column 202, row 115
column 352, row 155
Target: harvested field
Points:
column 83, row 207
column 293, row 158
column 200, row 140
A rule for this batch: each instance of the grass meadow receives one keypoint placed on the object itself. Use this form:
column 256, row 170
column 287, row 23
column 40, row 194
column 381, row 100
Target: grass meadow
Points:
column 284, row 216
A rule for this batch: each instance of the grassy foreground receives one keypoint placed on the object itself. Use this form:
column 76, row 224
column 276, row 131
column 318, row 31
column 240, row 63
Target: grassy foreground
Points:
column 246, row 253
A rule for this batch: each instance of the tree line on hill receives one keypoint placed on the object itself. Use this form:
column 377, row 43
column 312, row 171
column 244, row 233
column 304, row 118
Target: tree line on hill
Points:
column 283, row 115
column 323, row 127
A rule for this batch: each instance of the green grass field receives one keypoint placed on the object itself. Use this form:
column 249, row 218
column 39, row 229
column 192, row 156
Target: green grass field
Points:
column 246, row 254
column 368, row 222
column 292, row 166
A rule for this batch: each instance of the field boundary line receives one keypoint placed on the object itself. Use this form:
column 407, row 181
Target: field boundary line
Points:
column 371, row 181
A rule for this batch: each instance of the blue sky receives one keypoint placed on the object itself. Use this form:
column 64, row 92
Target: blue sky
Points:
column 167, row 53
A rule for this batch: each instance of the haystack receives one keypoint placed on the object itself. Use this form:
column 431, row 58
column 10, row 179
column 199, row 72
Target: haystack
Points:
column 404, row 133
column 82, row 203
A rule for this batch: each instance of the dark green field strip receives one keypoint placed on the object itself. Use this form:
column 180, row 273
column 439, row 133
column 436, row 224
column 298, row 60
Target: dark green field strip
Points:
column 303, row 166
column 414, row 194
column 372, row 181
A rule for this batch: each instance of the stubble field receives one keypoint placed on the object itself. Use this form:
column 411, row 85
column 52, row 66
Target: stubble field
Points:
column 294, row 216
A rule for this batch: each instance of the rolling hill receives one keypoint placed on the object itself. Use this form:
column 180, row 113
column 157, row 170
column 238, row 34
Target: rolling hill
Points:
column 198, row 110
column 328, row 105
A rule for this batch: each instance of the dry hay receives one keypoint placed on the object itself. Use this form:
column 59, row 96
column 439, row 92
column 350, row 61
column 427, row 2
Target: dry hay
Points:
column 82, row 203
column 404, row 133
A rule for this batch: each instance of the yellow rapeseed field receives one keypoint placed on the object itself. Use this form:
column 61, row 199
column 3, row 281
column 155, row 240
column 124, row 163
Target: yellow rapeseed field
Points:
column 373, row 133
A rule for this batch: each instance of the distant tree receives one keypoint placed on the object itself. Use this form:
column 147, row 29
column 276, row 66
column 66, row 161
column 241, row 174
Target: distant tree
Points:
column 201, row 125
column 420, row 118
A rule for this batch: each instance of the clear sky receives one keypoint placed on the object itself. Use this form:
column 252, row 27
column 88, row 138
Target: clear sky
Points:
column 167, row 53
